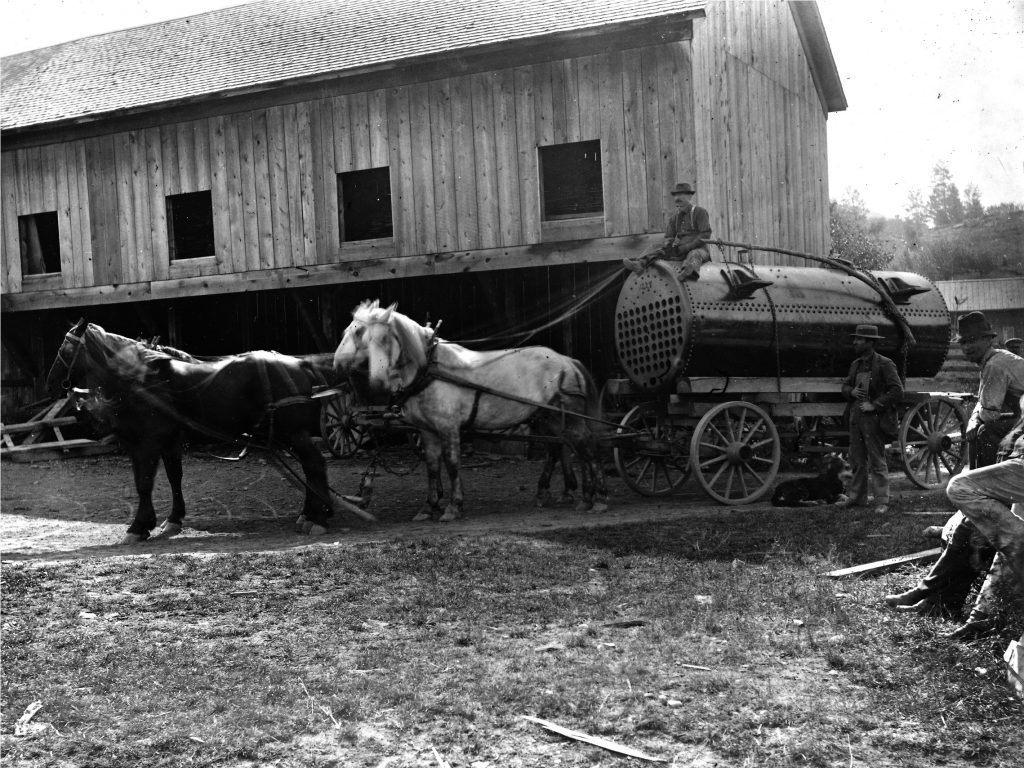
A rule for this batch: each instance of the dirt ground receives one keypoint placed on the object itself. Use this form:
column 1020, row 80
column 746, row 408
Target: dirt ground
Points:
column 81, row 507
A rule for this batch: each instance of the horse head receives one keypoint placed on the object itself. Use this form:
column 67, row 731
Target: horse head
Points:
column 385, row 345
column 93, row 357
column 68, row 368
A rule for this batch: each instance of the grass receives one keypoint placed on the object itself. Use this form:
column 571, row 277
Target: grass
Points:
column 371, row 655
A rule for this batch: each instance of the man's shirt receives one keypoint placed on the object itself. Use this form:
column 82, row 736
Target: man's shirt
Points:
column 1000, row 387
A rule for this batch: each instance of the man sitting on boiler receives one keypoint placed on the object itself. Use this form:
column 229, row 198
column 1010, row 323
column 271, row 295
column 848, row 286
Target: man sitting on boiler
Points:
column 685, row 233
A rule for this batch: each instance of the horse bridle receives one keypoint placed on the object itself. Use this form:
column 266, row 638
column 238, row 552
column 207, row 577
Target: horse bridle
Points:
column 79, row 342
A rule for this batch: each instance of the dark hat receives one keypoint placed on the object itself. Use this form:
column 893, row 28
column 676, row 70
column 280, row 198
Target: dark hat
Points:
column 867, row 332
column 683, row 189
column 1014, row 342
column 972, row 326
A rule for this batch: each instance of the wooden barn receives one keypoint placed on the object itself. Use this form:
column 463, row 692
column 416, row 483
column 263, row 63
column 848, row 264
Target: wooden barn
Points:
column 241, row 179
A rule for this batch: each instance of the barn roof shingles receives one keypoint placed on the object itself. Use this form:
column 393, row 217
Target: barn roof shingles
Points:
column 253, row 45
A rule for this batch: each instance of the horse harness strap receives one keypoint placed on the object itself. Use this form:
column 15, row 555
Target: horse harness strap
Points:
column 424, row 376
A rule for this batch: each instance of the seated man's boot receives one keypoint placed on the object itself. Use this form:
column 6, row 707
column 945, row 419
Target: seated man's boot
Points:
column 907, row 599
column 978, row 625
column 930, row 606
column 635, row 266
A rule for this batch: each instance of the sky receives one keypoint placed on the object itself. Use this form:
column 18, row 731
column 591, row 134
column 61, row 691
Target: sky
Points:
column 926, row 81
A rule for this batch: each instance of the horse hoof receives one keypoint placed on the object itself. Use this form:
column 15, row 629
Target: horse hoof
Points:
column 300, row 524
column 421, row 517
column 542, row 501
column 167, row 530
column 599, row 507
column 307, row 527
column 584, row 506
column 317, row 530
column 133, row 538
column 566, row 498
column 448, row 517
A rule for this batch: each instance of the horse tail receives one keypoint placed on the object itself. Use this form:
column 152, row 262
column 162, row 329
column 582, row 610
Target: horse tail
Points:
column 591, row 392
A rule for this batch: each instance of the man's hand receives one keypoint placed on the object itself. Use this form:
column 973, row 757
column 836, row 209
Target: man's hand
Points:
column 866, row 406
column 859, row 393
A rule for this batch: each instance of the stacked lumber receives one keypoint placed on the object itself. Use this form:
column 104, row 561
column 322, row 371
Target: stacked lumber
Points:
column 40, row 438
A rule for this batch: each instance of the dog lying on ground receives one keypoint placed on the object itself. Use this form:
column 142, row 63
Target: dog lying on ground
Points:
column 826, row 488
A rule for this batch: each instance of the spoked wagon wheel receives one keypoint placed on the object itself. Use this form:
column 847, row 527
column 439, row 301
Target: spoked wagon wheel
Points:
column 341, row 432
column 654, row 461
column 736, row 452
column 932, row 444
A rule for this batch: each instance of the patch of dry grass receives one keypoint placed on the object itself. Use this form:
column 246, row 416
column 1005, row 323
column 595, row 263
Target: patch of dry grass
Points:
column 376, row 654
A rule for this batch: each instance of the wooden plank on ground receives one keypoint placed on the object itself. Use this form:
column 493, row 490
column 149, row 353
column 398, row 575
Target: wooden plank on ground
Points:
column 32, row 426
column 880, row 566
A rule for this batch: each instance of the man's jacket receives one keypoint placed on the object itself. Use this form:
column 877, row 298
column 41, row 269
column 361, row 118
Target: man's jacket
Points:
column 884, row 390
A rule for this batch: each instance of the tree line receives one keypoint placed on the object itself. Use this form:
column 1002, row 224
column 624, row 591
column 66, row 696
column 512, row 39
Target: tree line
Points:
column 947, row 235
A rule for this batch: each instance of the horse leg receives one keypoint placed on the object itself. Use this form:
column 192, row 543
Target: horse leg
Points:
column 589, row 460
column 544, row 481
column 451, row 448
column 144, row 464
column 316, row 507
column 432, row 456
column 172, row 468
column 569, row 484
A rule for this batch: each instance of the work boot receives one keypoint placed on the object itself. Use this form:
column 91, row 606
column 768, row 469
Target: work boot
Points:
column 932, row 606
column 975, row 627
column 635, row 267
column 907, row 599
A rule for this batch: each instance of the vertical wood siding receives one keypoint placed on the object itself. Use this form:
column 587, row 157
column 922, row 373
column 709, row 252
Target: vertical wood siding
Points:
column 736, row 112
column 760, row 130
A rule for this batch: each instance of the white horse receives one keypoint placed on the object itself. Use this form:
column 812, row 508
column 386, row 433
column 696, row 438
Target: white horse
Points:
column 444, row 388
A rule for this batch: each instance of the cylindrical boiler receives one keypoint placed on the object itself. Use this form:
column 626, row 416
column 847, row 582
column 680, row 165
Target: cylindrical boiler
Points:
column 742, row 320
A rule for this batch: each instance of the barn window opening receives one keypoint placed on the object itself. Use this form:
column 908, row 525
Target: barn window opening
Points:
column 190, row 225
column 364, row 204
column 571, row 180
column 40, row 243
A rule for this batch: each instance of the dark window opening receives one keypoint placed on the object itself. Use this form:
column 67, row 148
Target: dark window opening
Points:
column 364, row 204
column 571, row 180
column 40, row 243
column 190, row 225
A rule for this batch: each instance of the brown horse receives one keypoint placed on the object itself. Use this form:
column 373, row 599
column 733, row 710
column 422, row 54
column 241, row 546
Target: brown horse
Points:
column 444, row 388
column 151, row 395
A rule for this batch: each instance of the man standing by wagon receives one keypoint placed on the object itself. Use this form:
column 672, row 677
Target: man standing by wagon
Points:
column 874, row 389
column 685, row 232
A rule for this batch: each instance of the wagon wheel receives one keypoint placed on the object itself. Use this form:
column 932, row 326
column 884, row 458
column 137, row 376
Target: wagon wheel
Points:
column 341, row 432
column 736, row 452
column 932, row 443
column 654, row 461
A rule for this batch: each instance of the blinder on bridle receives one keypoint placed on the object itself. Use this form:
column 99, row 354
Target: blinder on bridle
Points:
column 79, row 342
